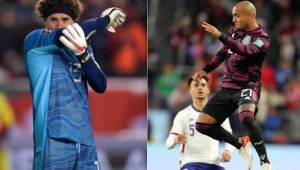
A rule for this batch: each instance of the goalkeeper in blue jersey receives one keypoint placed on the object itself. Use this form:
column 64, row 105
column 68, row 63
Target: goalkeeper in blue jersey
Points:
column 60, row 64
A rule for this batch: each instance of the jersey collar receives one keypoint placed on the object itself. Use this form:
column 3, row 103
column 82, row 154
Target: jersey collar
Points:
column 197, row 110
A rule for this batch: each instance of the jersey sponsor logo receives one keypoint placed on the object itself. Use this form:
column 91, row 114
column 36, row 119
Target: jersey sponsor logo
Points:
column 246, row 40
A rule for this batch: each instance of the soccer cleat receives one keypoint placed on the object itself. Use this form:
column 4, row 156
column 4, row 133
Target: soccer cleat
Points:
column 246, row 152
column 266, row 166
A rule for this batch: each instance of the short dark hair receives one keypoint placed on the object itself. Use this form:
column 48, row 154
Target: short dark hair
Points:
column 190, row 80
column 75, row 6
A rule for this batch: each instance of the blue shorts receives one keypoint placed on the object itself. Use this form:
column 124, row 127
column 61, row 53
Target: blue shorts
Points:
column 60, row 154
column 201, row 166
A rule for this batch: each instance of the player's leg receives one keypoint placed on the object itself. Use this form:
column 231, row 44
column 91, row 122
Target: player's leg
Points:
column 219, row 107
column 87, row 158
column 247, row 108
column 59, row 154
column 217, row 110
column 215, row 131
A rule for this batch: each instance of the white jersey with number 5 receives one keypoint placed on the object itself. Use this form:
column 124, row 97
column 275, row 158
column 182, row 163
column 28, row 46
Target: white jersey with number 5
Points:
column 199, row 147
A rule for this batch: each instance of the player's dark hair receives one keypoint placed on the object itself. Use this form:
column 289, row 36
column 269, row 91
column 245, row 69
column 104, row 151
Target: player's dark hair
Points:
column 73, row 8
column 190, row 80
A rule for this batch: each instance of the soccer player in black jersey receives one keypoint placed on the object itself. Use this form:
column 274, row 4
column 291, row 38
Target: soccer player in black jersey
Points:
column 245, row 46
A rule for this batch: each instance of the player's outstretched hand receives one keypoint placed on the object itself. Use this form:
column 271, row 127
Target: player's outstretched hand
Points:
column 74, row 39
column 226, row 156
column 198, row 75
column 117, row 17
column 211, row 29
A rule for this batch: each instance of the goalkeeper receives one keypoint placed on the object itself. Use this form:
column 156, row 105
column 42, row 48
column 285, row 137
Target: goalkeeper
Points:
column 245, row 47
column 60, row 65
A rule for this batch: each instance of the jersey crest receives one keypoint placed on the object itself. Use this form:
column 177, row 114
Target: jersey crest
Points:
column 246, row 40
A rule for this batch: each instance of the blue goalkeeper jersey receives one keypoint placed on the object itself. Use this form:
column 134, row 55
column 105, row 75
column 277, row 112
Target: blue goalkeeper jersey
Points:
column 59, row 89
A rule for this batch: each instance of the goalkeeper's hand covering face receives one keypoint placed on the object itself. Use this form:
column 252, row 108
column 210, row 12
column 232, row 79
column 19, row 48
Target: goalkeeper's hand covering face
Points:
column 74, row 39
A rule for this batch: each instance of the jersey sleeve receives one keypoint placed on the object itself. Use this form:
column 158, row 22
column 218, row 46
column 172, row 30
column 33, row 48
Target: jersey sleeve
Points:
column 42, row 37
column 88, row 26
column 226, row 125
column 94, row 74
column 177, row 128
column 178, row 124
column 259, row 45
column 94, row 24
column 216, row 60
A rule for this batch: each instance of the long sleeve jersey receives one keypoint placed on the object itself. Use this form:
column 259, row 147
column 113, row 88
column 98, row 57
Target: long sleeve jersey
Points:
column 58, row 84
column 244, row 53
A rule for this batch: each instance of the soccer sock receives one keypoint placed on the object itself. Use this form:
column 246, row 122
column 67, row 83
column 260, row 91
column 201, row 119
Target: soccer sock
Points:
column 219, row 133
column 256, row 138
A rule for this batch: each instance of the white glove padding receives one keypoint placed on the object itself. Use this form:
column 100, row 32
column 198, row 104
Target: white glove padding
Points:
column 74, row 39
column 117, row 17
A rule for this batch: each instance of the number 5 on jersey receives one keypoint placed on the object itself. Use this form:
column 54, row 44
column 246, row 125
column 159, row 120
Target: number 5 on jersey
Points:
column 192, row 129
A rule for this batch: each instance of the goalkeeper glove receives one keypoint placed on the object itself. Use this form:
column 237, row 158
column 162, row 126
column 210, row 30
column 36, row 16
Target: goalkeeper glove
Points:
column 73, row 38
column 116, row 18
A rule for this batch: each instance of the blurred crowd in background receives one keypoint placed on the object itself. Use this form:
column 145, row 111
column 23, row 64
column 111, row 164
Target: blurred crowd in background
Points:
column 178, row 46
column 122, row 56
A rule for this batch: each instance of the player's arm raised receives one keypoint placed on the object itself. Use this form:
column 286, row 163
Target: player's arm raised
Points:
column 259, row 45
column 212, row 64
column 217, row 59
column 110, row 20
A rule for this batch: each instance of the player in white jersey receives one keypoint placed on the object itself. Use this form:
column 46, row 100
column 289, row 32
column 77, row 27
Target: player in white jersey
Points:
column 197, row 151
